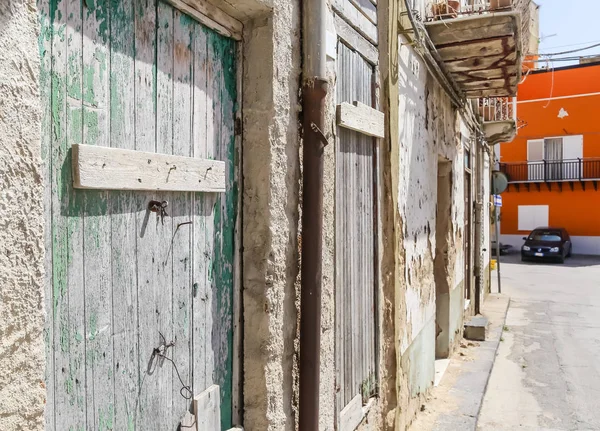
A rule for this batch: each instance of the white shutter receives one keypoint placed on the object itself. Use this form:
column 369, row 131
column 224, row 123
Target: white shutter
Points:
column 532, row 216
column 572, row 150
column 572, row 147
column 535, row 150
column 535, row 160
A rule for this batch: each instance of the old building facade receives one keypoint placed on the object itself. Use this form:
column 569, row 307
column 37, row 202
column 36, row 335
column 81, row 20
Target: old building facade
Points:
column 156, row 183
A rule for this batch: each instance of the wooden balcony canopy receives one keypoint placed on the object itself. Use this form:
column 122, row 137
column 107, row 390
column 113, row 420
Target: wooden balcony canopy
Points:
column 482, row 52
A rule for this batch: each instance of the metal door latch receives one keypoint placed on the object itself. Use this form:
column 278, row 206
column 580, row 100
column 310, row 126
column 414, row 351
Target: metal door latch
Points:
column 160, row 208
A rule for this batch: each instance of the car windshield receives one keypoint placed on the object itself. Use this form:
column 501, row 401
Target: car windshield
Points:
column 545, row 236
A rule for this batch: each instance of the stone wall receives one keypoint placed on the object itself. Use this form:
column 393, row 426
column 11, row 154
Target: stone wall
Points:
column 271, row 193
column 22, row 389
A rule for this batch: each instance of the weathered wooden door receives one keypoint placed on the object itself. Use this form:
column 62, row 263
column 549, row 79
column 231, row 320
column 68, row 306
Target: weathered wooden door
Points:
column 355, row 245
column 122, row 282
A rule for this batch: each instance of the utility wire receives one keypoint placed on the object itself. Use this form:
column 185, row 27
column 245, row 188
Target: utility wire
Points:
column 567, row 52
column 571, row 44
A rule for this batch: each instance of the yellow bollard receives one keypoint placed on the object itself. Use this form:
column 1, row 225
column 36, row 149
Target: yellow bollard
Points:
column 493, row 264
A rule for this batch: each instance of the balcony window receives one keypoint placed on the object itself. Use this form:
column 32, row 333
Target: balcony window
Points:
column 553, row 159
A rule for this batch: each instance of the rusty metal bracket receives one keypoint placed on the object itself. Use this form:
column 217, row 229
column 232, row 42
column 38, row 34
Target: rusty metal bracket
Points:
column 319, row 132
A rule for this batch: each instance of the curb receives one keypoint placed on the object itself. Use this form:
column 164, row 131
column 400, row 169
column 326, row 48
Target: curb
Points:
column 494, row 363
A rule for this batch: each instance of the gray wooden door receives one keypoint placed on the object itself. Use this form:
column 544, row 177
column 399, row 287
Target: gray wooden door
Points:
column 138, row 75
column 355, row 239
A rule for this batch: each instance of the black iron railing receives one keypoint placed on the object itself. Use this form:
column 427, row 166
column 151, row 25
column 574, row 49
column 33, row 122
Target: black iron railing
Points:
column 552, row 170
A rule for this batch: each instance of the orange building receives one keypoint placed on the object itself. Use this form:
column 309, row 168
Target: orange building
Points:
column 553, row 164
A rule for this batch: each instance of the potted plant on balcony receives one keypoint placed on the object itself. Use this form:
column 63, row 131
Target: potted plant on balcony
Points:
column 445, row 9
column 500, row 4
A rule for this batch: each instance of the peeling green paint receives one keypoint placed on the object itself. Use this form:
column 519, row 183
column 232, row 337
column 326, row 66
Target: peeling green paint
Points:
column 90, row 120
column 225, row 212
column 93, row 327
column 106, row 418
column 89, row 95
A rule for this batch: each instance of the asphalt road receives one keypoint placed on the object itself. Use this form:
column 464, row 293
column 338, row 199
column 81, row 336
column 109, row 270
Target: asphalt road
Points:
column 547, row 372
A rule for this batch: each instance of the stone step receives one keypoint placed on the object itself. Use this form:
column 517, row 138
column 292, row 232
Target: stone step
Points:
column 475, row 328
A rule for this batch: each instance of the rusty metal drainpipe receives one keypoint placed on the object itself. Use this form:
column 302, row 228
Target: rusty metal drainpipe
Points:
column 314, row 90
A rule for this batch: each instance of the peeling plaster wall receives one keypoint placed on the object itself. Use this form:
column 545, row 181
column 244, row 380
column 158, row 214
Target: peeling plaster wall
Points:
column 271, row 193
column 22, row 390
column 429, row 130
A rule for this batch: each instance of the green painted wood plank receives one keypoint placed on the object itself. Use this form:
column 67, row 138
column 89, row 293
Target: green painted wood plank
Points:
column 222, row 53
column 67, row 250
column 124, row 230
column 182, row 260
column 155, row 241
column 97, row 222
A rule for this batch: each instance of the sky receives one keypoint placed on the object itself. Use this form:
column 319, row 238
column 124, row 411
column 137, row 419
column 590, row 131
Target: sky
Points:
column 569, row 24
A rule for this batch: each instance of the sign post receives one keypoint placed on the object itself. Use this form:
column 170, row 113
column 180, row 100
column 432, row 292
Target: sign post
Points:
column 498, row 205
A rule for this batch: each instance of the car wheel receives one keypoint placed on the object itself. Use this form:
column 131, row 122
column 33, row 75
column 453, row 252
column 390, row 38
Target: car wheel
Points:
column 570, row 251
column 561, row 259
column 524, row 259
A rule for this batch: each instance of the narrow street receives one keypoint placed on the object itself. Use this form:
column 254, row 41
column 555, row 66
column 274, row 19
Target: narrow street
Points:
column 547, row 374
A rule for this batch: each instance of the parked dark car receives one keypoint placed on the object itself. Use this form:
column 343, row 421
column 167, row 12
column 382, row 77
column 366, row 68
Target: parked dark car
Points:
column 547, row 243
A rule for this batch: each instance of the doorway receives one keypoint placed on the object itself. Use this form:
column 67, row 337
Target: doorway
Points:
column 441, row 276
column 467, row 240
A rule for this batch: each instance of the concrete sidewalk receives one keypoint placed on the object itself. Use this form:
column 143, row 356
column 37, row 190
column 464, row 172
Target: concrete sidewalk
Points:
column 455, row 403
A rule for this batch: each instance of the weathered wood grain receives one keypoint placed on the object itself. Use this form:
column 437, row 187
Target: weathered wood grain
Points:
column 361, row 118
column 110, row 84
column 200, row 217
column 478, row 48
column 355, row 247
column 355, row 40
column 165, row 259
column 188, row 423
column 67, row 231
column 481, row 75
column 210, row 16
column 222, row 55
column 118, row 169
column 474, row 94
column 124, row 230
column 356, row 19
column 96, row 300
column 488, row 84
column 463, row 29
column 207, row 409
column 183, row 70
column 367, row 8
column 151, row 407
column 480, row 63
column 351, row 415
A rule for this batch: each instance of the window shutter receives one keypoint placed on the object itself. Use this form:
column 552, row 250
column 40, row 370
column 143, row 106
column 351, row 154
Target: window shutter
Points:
column 572, row 147
column 535, row 150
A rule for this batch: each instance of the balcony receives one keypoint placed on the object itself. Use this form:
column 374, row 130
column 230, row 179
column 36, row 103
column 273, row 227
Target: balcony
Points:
column 479, row 43
column 550, row 172
column 499, row 115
